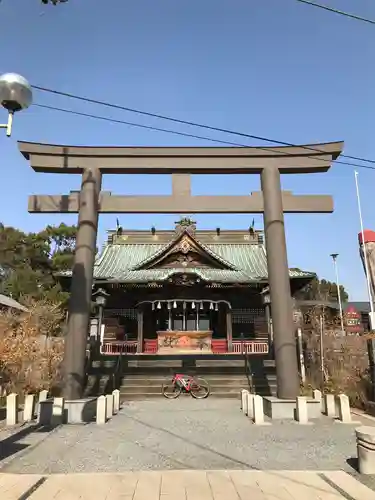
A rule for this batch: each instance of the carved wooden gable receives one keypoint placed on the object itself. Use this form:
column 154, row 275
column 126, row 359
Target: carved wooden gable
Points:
column 186, row 252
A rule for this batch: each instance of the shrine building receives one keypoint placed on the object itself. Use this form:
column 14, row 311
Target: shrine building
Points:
column 186, row 291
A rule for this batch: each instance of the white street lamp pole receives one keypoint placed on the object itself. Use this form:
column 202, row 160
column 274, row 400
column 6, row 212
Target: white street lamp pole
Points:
column 370, row 298
column 334, row 258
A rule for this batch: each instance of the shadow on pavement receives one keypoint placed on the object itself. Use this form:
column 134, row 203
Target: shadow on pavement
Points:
column 10, row 445
column 353, row 463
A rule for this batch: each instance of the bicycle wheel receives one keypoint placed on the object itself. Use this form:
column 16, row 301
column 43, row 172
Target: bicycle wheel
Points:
column 199, row 388
column 170, row 390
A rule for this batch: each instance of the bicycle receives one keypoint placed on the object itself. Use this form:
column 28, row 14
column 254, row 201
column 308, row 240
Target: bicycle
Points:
column 198, row 388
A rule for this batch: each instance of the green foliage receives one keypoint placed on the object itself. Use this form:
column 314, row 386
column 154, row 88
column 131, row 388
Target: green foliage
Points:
column 30, row 261
column 61, row 241
column 322, row 290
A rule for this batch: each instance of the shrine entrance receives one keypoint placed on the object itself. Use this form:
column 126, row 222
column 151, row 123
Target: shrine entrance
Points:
column 181, row 162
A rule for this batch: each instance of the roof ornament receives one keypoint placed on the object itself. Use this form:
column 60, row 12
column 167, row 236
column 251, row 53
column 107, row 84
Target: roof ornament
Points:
column 185, row 224
column 251, row 228
column 118, row 228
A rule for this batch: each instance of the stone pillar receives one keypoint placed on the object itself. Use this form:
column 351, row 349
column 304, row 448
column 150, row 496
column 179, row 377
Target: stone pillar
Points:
column 12, row 409
column 229, row 328
column 250, row 405
column 301, row 410
column 279, row 284
column 116, row 401
column 244, row 401
column 109, row 406
column 140, row 330
column 344, row 409
column 43, row 395
column 29, row 408
column 101, row 410
column 57, row 411
column 258, row 412
column 317, row 394
column 81, row 285
column 330, row 405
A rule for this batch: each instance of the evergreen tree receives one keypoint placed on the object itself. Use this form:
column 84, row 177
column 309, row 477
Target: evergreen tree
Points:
column 29, row 261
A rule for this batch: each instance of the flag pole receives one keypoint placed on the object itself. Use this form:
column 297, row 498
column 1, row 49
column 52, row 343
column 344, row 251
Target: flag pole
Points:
column 372, row 325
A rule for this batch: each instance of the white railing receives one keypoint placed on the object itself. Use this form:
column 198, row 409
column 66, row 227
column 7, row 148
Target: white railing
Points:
column 119, row 347
column 250, row 347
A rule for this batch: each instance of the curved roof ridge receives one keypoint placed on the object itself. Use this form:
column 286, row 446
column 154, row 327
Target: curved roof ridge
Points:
column 170, row 245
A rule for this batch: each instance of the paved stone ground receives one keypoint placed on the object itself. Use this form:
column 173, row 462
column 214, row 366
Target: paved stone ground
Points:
column 186, row 434
column 185, row 485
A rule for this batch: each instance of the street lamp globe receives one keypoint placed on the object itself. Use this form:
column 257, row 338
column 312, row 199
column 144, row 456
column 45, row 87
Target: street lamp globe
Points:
column 15, row 92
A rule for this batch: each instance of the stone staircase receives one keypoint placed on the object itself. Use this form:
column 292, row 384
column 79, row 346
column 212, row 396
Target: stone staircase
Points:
column 141, row 377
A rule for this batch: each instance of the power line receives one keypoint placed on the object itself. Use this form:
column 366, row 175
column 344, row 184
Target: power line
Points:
column 336, row 11
column 186, row 122
column 132, row 124
column 185, row 134
column 193, row 124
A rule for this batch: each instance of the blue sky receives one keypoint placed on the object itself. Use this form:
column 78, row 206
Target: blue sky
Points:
column 273, row 68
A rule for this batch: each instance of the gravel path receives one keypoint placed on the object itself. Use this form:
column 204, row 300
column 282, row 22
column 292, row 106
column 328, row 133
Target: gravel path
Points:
column 188, row 434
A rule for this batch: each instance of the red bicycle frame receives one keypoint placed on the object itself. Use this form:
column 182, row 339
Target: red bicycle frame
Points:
column 186, row 381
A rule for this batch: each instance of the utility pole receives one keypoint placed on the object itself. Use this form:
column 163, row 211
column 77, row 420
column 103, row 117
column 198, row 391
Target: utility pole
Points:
column 334, row 258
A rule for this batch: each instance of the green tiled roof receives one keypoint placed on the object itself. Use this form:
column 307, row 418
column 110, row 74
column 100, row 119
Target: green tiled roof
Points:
column 248, row 263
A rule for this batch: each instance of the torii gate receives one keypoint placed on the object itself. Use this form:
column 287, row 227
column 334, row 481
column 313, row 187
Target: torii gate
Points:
column 181, row 162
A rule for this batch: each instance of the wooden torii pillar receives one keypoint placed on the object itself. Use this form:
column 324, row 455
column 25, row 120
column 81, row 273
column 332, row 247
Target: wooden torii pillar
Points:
column 181, row 162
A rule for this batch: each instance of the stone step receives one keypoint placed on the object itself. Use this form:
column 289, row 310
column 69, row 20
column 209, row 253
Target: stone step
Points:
column 152, row 389
column 237, row 378
column 158, row 361
column 145, row 396
column 226, row 370
column 222, row 381
column 159, row 379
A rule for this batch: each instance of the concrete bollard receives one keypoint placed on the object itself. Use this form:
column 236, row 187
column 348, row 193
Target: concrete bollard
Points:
column 12, row 409
column 258, row 413
column 57, row 411
column 43, row 395
column 344, row 409
column 241, row 398
column 101, row 410
column 366, row 449
column 109, row 398
column 301, row 410
column 29, row 408
column 244, row 401
column 116, row 401
column 330, row 405
column 250, row 405
column 317, row 394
